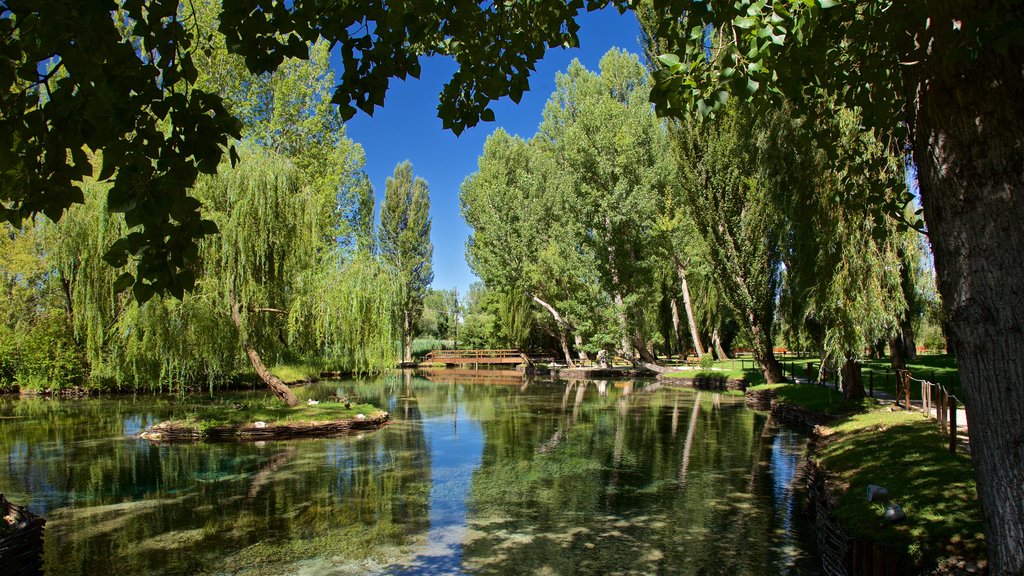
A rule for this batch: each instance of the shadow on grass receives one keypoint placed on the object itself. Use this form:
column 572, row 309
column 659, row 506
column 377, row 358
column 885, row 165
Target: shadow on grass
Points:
column 905, row 453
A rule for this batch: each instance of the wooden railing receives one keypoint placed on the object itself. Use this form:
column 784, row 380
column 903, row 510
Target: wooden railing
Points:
column 496, row 356
column 933, row 397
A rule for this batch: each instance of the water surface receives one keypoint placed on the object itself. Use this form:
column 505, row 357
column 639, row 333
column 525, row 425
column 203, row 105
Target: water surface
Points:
column 584, row 477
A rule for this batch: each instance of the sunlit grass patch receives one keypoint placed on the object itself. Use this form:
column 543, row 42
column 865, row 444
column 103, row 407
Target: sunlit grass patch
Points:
column 269, row 410
column 905, row 453
column 294, row 372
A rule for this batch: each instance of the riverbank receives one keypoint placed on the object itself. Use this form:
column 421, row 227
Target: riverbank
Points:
column 857, row 444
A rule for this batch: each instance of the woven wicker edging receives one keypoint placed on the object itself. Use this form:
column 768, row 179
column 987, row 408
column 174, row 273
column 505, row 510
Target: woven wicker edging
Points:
column 176, row 431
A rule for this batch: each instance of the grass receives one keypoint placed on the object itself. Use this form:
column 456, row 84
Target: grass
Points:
column 905, row 453
column 269, row 410
column 818, row 399
column 294, row 372
column 869, row 443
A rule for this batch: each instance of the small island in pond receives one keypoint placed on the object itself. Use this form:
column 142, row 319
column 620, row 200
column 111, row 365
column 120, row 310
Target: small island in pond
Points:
column 242, row 422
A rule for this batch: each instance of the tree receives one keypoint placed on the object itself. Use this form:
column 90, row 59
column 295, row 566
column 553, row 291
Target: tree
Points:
column 943, row 78
column 951, row 69
column 601, row 132
column 404, row 241
column 521, row 241
column 729, row 180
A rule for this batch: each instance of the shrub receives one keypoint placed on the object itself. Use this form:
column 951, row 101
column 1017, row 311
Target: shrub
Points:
column 48, row 356
column 706, row 361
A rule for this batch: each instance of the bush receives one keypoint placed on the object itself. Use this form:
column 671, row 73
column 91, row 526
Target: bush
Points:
column 707, row 362
column 47, row 355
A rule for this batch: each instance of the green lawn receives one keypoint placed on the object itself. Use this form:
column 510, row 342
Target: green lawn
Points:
column 905, row 453
column 268, row 409
column 868, row 443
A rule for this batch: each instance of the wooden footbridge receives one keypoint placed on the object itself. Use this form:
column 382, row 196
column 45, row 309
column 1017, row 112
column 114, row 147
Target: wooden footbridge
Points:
column 462, row 357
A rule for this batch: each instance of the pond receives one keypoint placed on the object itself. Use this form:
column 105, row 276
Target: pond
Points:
column 537, row 477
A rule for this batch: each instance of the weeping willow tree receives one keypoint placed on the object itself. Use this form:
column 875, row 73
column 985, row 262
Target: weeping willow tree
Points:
column 279, row 281
column 731, row 171
column 843, row 259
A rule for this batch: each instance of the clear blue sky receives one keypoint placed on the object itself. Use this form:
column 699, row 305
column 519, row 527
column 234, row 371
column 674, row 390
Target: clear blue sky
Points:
column 407, row 128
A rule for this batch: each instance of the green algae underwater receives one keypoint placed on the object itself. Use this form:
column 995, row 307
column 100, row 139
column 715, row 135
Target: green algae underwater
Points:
column 544, row 477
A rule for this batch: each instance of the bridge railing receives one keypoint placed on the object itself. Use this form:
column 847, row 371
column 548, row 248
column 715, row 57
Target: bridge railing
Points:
column 496, row 353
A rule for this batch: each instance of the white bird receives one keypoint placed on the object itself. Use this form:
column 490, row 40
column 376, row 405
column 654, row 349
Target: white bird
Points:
column 311, row 402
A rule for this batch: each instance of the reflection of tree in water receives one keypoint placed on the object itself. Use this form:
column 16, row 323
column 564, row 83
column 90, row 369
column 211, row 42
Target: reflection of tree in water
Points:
column 118, row 503
column 641, row 483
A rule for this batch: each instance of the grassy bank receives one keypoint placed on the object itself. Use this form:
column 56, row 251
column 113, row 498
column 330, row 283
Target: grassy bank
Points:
column 868, row 443
column 269, row 410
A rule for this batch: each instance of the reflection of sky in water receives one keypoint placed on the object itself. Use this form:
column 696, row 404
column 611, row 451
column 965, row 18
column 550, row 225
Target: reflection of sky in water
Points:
column 456, row 443
column 787, row 452
column 575, row 475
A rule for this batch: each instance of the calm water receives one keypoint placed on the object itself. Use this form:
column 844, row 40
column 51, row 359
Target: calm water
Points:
column 545, row 478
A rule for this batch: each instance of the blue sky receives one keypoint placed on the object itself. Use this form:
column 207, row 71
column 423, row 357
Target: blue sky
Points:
column 407, row 128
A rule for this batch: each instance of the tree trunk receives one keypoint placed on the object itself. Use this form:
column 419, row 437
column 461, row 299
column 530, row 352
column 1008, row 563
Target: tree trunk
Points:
column 765, row 356
column 909, row 346
column 969, row 149
column 563, row 327
column 897, row 355
column 687, row 303
column 579, row 348
column 677, row 327
column 853, row 385
column 642, row 350
column 279, row 388
column 717, row 342
column 407, row 337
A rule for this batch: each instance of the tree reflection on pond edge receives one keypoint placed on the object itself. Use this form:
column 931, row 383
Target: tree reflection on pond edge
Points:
column 549, row 477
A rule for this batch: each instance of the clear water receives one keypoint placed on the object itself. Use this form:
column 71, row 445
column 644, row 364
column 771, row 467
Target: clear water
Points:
column 585, row 477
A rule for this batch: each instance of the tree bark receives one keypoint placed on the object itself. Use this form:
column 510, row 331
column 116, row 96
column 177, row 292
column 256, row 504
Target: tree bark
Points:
column 579, row 348
column 407, row 337
column 853, row 384
column 563, row 327
column 765, row 356
column 716, row 341
column 677, row 327
column 909, row 346
column 688, row 305
column 969, row 149
column 897, row 354
column 278, row 387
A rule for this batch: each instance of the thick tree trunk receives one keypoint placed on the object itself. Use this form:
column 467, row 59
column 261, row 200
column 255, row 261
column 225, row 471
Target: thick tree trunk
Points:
column 563, row 327
column 853, row 385
column 969, row 149
column 764, row 355
column 688, row 305
column 279, row 388
column 909, row 346
column 897, row 354
column 642, row 350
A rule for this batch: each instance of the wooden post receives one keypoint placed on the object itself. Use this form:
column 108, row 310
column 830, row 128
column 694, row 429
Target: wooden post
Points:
column 943, row 403
column 906, row 386
column 952, row 425
column 871, row 383
column 924, row 406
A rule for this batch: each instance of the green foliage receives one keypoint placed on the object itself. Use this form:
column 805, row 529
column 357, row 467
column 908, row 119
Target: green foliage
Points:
column 404, row 242
column 706, row 361
column 45, row 356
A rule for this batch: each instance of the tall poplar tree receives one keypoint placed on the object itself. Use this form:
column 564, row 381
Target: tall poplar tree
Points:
column 404, row 244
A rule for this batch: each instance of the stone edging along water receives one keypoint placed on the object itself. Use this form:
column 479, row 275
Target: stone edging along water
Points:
column 178, row 431
column 841, row 554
